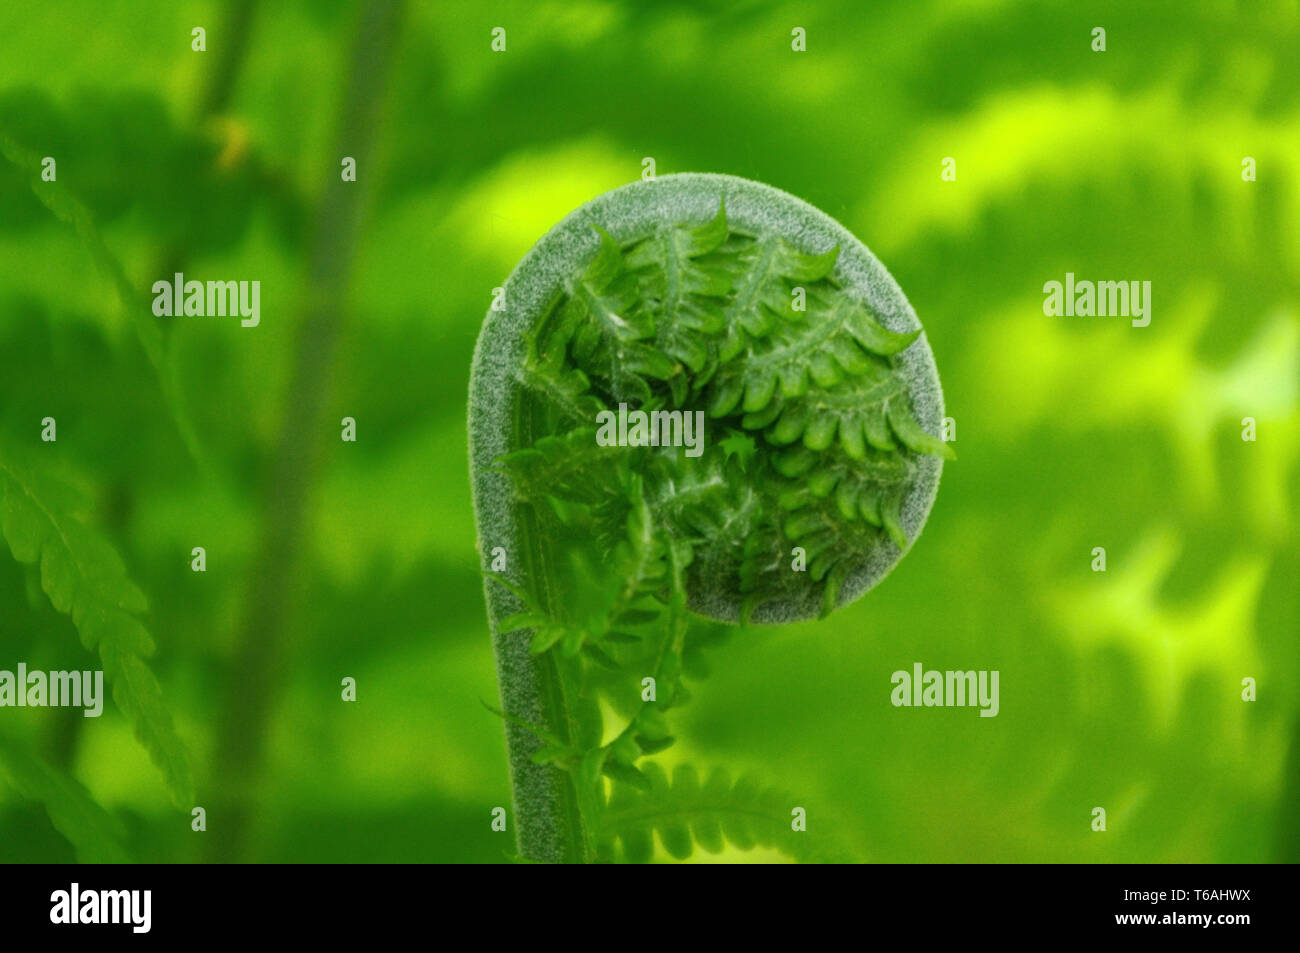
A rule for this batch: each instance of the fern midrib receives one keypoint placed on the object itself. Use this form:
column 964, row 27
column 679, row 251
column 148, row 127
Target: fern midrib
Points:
column 803, row 345
column 637, row 816
column 673, row 294
column 643, row 547
column 753, row 277
column 845, row 396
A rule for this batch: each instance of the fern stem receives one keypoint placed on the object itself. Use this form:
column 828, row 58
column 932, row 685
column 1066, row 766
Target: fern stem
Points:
column 299, row 454
column 548, row 820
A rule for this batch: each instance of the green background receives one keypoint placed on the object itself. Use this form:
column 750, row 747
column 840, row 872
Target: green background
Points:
column 328, row 559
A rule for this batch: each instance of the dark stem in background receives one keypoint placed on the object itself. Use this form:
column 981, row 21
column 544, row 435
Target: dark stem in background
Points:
column 231, row 54
column 276, row 588
column 234, row 47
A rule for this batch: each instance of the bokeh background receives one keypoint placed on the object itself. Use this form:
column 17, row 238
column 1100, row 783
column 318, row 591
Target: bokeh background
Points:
column 328, row 560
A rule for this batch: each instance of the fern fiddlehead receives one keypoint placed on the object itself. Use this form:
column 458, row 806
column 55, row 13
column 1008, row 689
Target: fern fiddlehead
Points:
column 810, row 469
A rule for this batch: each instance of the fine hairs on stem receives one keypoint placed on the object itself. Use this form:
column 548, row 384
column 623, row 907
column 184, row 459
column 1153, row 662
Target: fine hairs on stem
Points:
column 617, row 560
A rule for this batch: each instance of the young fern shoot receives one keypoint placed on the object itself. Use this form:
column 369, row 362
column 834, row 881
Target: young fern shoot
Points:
column 698, row 401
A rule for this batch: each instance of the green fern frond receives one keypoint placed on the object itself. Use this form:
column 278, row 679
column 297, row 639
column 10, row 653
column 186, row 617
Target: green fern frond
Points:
column 716, row 306
column 685, row 814
column 67, row 208
column 94, row 834
column 602, row 325
column 685, row 292
column 562, row 388
column 830, row 346
column 803, row 484
column 571, row 465
column 84, row 577
column 769, row 269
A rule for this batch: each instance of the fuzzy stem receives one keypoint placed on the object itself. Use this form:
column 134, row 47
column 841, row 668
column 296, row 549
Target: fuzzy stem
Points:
column 547, row 819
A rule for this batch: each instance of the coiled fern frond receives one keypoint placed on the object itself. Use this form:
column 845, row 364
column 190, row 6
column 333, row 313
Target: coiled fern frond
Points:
column 765, row 340
column 799, row 404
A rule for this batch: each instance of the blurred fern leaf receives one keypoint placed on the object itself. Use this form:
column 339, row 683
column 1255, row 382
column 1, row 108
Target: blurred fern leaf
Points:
column 94, row 833
column 85, row 578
